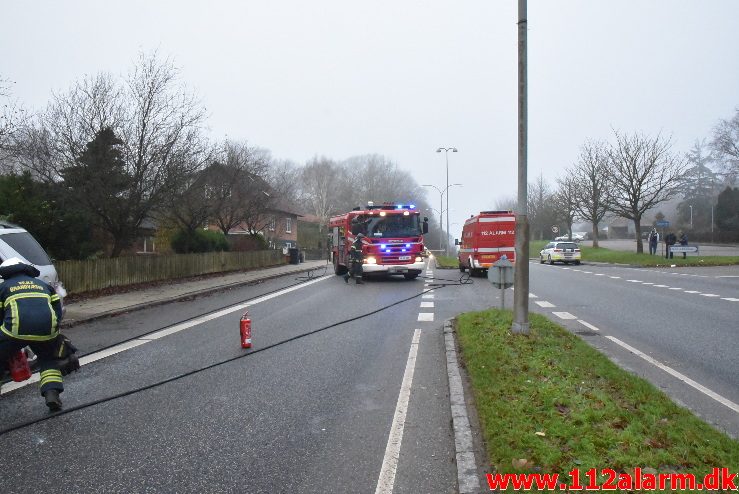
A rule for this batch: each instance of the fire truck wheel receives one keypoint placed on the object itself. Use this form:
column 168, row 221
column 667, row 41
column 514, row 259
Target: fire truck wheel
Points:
column 339, row 270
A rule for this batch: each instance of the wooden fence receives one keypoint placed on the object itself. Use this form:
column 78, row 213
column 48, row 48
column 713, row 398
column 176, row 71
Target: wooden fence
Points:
column 83, row 276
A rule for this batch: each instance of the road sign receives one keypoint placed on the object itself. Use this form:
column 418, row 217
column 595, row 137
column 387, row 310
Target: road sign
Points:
column 662, row 223
column 555, row 229
column 691, row 249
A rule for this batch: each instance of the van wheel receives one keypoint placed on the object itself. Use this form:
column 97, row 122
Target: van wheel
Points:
column 577, row 263
column 410, row 276
column 549, row 260
column 541, row 260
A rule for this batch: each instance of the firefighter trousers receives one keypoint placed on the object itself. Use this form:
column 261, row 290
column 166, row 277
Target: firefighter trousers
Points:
column 48, row 352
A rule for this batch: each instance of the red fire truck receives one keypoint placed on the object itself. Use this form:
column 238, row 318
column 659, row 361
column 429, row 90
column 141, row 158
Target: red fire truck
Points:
column 392, row 243
column 486, row 237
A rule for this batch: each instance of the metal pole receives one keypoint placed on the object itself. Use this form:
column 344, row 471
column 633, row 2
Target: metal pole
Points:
column 521, row 275
column 441, row 219
column 446, row 153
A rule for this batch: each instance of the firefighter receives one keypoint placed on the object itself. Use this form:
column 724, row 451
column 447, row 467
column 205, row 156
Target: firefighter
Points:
column 355, row 259
column 30, row 312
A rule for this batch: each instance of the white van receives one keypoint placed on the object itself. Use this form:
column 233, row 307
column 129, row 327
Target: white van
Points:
column 17, row 242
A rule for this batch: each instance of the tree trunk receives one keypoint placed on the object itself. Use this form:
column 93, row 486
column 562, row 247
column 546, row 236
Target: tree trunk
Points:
column 637, row 229
column 595, row 235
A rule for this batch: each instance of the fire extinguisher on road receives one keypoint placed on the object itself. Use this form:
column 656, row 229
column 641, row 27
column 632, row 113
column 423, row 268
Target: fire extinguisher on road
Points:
column 245, row 329
column 19, row 368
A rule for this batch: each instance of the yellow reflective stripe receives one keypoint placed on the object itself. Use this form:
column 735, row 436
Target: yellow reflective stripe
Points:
column 61, row 350
column 54, row 298
column 50, row 372
column 33, row 337
column 51, row 380
column 14, row 317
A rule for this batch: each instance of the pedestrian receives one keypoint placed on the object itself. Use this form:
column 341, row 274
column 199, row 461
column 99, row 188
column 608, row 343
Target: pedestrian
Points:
column 684, row 241
column 30, row 312
column 653, row 239
column 356, row 258
column 670, row 240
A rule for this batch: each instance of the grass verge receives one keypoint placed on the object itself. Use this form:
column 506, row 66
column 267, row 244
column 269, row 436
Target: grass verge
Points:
column 549, row 403
column 447, row 262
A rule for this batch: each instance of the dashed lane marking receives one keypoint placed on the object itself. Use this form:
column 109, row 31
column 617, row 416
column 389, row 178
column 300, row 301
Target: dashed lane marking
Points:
column 692, row 291
column 648, row 283
column 427, row 305
column 634, row 281
column 661, row 286
column 615, row 277
column 730, row 404
column 426, row 316
column 709, row 295
column 588, row 325
column 427, row 295
column 544, row 303
column 564, row 315
column 675, row 288
column 731, row 299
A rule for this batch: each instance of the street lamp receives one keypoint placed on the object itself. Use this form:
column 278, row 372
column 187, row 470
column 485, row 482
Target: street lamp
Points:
column 691, row 216
column 446, row 154
column 441, row 211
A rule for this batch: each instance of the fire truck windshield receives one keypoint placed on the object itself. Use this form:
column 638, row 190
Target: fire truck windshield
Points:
column 392, row 225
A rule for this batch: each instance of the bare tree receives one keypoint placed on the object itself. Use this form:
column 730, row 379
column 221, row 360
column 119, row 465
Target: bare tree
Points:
column 540, row 208
column 505, row 204
column 591, row 180
column 644, row 173
column 565, row 202
column 156, row 119
column 321, row 180
column 725, row 144
column 12, row 119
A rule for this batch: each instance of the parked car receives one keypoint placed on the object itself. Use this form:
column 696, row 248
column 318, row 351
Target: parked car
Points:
column 576, row 237
column 565, row 252
column 17, row 242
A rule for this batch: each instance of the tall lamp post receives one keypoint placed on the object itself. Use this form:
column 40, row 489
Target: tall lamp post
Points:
column 691, row 216
column 446, row 154
column 441, row 211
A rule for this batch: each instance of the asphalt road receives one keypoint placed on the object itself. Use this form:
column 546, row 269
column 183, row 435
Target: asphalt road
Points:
column 684, row 319
column 309, row 415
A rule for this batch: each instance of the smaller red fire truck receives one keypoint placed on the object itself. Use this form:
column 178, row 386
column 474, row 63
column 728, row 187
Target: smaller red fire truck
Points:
column 392, row 243
column 486, row 237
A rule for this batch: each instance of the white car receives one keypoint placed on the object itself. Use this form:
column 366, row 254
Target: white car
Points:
column 576, row 237
column 565, row 252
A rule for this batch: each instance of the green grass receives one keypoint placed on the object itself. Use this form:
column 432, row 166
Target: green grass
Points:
column 592, row 413
column 632, row 258
column 447, row 262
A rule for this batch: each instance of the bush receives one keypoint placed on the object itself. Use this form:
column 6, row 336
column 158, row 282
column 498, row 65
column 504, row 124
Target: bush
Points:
column 184, row 242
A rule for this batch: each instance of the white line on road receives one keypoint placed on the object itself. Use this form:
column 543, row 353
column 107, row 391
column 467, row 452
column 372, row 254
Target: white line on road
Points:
column 588, row 325
column 678, row 375
column 675, row 288
column 564, row 315
column 544, row 303
column 730, row 299
column 386, row 481
column 427, row 304
column 599, row 274
column 92, row 357
column 426, row 316
column 634, row 281
column 692, row 291
column 427, row 295
column 648, row 283
column 709, row 295
column 614, row 277
column 662, row 286
column 531, row 295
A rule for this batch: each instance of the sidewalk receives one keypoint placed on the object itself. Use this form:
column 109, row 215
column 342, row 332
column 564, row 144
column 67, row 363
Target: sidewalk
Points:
column 172, row 290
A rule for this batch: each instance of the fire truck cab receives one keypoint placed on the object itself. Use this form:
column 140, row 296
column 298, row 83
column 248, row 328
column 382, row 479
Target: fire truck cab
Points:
column 392, row 243
column 486, row 237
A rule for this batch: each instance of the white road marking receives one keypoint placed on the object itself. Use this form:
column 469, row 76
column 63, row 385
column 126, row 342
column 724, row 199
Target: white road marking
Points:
column 564, row 315
column 588, row 325
column 675, row 288
column 588, row 272
column 427, row 295
column 544, row 303
column 614, row 277
column 93, row 357
column 692, row 291
column 678, row 375
column 634, row 281
column 709, row 295
column 599, row 274
column 531, row 295
column 426, row 316
column 730, row 299
column 427, row 304
column 728, row 276
column 566, row 268
column 648, row 283
column 386, row 481
column 661, row 286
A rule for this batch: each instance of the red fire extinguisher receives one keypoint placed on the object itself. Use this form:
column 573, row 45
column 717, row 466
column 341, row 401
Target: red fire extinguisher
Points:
column 245, row 329
column 19, row 368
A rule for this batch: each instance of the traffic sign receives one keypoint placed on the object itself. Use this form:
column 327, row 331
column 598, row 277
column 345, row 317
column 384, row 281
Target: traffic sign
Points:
column 500, row 273
column 555, row 229
column 662, row 223
column 692, row 249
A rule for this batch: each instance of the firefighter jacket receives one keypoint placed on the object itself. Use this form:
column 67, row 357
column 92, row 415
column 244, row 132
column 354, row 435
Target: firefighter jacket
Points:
column 355, row 254
column 29, row 309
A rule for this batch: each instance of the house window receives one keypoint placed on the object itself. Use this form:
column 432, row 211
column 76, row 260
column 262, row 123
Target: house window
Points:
column 288, row 225
column 272, row 225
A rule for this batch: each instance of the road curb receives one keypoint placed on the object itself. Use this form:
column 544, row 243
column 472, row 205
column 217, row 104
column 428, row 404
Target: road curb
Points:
column 467, row 478
column 66, row 324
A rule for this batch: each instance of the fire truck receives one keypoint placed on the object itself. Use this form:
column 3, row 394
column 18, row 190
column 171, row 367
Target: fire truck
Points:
column 392, row 243
column 486, row 237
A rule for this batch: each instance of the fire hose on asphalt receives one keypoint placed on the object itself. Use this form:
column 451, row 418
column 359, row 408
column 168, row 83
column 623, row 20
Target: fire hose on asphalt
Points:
column 432, row 286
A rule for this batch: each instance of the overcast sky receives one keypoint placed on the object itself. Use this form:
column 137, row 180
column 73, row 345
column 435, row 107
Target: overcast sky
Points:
column 401, row 78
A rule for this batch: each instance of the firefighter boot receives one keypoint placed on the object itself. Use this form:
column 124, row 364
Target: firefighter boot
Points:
column 346, row 278
column 52, row 400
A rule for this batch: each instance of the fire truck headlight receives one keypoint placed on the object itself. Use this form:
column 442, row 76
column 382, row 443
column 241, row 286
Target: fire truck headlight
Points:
column 419, row 259
column 371, row 260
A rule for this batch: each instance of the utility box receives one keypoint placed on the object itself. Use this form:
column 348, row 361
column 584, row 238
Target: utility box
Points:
column 500, row 273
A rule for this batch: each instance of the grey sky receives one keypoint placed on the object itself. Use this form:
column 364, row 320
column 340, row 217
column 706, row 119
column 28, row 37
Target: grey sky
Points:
column 401, row 78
